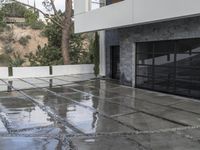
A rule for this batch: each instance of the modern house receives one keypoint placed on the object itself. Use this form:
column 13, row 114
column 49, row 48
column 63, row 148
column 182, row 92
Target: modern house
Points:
column 150, row 44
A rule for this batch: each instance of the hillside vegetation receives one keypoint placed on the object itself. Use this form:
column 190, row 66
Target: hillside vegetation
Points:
column 35, row 43
column 19, row 40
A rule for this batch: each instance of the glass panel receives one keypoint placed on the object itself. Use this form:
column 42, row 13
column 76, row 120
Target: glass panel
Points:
column 167, row 72
column 143, row 70
column 169, row 66
column 145, row 59
column 144, row 82
column 145, row 48
column 184, row 59
column 164, row 53
column 188, row 46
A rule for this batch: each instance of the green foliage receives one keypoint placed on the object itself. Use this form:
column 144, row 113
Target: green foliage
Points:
column 96, row 54
column 2, row 22
column 14, row 10
column 38, row 25
column 54, row 34
column 16, row 61
column 18, row 10
column 30, row 17
column 78, row 54
column 8, row 48
column 24, row 40
column 4, row 60
column 45, row 56
column 10, row 37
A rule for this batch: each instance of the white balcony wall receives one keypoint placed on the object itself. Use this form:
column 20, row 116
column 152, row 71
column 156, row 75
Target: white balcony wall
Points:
column 44, row 71
column 3, row 72
column 81, row 6
column 26, row 72
column 110, row 16
column 72, row 69
column 132, row 12
column 155, row 10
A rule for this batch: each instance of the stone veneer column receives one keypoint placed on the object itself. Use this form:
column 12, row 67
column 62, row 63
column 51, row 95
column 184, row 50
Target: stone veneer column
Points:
column 127, row 61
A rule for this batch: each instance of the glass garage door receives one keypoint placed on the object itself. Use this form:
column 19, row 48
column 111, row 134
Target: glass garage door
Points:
column 169, row 66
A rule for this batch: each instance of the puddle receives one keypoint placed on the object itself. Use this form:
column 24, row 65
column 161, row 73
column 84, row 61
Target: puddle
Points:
column 69, row 78
column 3, row 88
column 62, row 90
column 19, row 84
column 29, row 120
column 25, row 143
column 2, row 128
column 90, row 122
column 23, row 114
column 99, row 104
column 54, row 81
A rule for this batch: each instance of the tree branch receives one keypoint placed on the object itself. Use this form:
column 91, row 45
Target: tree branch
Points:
column 53, row 20
column 55, row 10
column 54, row 7
column 50, row 5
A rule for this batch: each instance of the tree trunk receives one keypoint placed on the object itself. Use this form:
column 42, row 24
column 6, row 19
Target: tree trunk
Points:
column 66, row 31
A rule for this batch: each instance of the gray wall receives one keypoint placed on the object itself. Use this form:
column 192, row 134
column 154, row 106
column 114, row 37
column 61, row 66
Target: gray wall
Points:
column 169, row 30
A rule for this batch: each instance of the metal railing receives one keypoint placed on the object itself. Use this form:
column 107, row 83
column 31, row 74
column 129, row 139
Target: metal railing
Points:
column 95, row 4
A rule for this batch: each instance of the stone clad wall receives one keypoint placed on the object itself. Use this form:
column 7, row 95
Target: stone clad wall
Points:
column 167, row 30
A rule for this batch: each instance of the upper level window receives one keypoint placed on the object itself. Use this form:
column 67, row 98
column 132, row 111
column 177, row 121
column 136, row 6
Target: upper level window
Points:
column 95, row 4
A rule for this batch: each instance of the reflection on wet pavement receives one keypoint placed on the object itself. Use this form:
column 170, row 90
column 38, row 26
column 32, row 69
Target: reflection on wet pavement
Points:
column 2, row 128
column 82, row 113
column 25, row 143
column 22, row 114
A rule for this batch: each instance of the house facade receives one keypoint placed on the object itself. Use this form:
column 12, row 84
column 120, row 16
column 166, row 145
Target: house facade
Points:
column 149, row 44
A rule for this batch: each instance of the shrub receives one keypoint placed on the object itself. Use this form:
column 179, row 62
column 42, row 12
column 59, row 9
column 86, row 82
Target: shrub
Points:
column 45, row 56
column 16, row 61
column 8, row 48
column 38, row 25
column 96, row 54
column 24, row 40
column 4, row 60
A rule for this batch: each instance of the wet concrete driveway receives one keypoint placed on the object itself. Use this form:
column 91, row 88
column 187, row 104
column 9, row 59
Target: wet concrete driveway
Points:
column 79, row 112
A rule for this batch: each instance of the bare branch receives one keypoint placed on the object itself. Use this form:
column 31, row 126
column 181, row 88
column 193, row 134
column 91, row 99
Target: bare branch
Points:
column 53, row 20
column 50, row 5
column 55, row 10
column 54, row 7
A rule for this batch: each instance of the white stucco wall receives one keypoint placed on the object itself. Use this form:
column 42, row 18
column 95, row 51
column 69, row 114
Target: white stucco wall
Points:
column 21, row 72
column 3, row 72
column 131, row 12
column 119, row 14
column 44, row 71
column 72, row 69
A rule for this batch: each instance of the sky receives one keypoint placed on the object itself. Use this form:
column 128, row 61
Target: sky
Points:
column 59, row 4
